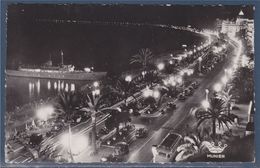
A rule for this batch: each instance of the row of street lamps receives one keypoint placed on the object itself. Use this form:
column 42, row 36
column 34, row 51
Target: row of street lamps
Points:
column 227, row 74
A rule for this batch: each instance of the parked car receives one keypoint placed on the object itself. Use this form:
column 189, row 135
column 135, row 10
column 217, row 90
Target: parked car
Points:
column 103, row 131
column 195, row 85
column 111, row 158
column 187, row 92
column 191, row 89
column 171, row 105
column 167, row 149
column 141, row 133
column 121, row 148
column 181, row 97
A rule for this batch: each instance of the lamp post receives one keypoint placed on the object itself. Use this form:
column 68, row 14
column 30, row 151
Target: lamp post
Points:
column 160, row 66
column 207, row 94
column 96, row 84
column 128, row 78
column 224, row 80
column 95, row 93
column 217, row 87
column 205, row 103
column 200, row 59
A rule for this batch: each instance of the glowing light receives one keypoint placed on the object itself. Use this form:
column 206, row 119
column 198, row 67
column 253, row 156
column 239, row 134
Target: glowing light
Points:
column 224, row 79
column 61, row 84
column 147, row 92
column 190, row 52
column 128, row 78
column 75, row 143
column 55, row 85
column 49, row 85
column 67, row 87
column 165, row 82
column 44, row 112
column 72, row 87
column 229, row 71
column 95, row 84
column 205, row 104
column 173, row 83
column 171, row 62
column 156, row 94
column 96, row 92
column 179, row 80
column 160, row 66
column 217, row 87
column 143, row 73
column 200, row 59
column 244, row 60
column 87, row 69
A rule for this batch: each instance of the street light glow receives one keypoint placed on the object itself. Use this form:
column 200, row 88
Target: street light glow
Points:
column 96, row 92
column 96, row 84
column 44, row 112
column 179, row 80
column 128, row 78
column 156, row 94
column 224, row 79
column 147, row 92
column 160, row 66
column 217, row 87
column 205, row 104
column 75, row 143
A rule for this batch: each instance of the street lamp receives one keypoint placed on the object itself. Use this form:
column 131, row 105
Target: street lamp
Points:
column 95, row 84
column 143, row 73
column 128, row 78
column 160, row 66
column 207, row 94
column 229, row 71
column 200, row 59
column 205, row 104
column 224, row 79
column 217, row 87
column 179, row 79
column 171, row 62
column 156, row 94
column 147, row 92
column 44, row 112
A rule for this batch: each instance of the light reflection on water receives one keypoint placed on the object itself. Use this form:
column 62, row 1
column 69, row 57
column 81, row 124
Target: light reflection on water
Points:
column 35, row 87
column 20, row 91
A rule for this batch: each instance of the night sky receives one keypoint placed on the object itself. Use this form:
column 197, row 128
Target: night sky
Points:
column 33, row 36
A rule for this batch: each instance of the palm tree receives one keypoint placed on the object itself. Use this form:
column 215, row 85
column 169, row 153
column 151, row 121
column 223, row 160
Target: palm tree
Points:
column 192, row 145
column 95, row 104
column 144, row 57
column 66, row 104
column 216, row 113
column 227, row 97
column 122, row 89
